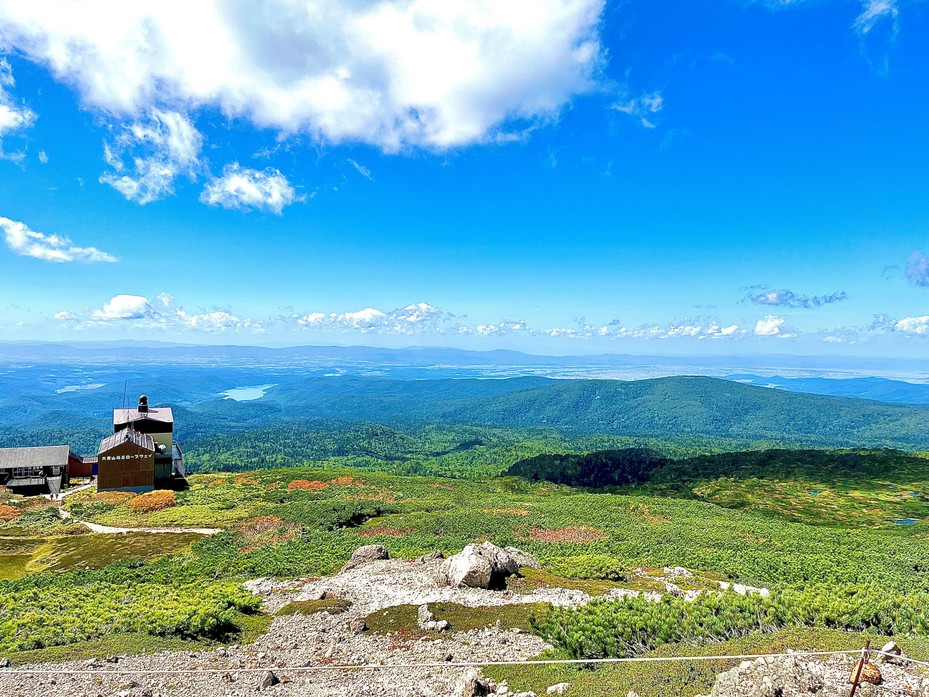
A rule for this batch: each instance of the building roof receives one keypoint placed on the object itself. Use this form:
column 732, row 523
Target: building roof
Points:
column 128, row 416
column 42, row 456
column 127, row 435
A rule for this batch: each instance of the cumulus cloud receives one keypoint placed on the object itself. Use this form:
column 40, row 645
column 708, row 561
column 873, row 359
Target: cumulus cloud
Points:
column 393, row 74
column 159, row 147
column 917, row 269
column 243, row 188
column 29, row 243
column 788, row 298
column 14, row 115
column 121, row 307
column 773, row 326
column 417, row 318
column 643, row 107
column 913, row 326
column 160, row 312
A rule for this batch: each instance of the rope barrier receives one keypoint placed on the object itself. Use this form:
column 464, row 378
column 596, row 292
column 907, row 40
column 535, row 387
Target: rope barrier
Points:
column 443, row 664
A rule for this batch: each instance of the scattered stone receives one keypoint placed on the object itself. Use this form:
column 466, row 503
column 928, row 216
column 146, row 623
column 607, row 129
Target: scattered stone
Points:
column 432, row 556
column 473, row 684
column 892, row 653
column 523, row 559
column 426, row 620
column 227, row 678
column 4, row 662
column 673, row 572
column 365, row 554
column 525, row 694
column 269, row 680
column 870, row 673
column 357, row 625
column 557, row 689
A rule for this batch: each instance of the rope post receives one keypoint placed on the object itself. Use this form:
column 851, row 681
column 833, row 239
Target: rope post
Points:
column 861, row 662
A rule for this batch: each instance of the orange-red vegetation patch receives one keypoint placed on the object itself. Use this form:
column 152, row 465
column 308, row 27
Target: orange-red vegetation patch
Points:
column 386, row 531
column 115, row 498
column 8, row 513
column 36, row 502
column 245, row 480
column 275, row 485
column 151, row 501
column 506, row 511
column 346, row 481
column 572, row 533
column 266, row 531
column 306, row 485
column 442, row 486
column 217, row 482
column 384, row 495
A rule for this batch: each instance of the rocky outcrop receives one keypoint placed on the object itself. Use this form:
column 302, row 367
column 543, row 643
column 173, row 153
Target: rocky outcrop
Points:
column 427, row 620
column 799, row 676
column 365, row 554
column 483, row 566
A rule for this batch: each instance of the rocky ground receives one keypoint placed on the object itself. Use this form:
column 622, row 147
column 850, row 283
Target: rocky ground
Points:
column 320, row 640
column 806, row 677
column 335, row 655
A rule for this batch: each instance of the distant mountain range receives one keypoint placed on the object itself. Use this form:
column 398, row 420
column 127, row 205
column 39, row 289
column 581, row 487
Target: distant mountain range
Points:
column 666, row 408
column 879, row 389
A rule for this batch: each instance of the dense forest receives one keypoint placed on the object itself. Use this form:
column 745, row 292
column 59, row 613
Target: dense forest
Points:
column 677, row 409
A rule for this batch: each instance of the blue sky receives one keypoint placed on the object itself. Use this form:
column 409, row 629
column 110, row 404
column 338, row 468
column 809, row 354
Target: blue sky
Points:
column 558, row 176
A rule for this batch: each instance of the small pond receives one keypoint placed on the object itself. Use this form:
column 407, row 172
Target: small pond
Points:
column 248, row 393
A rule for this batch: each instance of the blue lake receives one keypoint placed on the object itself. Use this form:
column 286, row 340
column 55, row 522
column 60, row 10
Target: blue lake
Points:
column 905, row 521
column 247, row 394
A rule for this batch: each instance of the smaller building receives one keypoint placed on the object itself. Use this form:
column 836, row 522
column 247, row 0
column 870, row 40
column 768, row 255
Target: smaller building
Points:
column 126, row 462
column 42, row 468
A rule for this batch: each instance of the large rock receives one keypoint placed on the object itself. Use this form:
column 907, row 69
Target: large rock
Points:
column 482, row 566
column 365, row 554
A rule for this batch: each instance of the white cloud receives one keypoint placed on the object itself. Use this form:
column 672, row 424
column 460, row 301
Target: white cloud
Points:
column 43, row 157
column 875, row 12
column 244, row 188
column 161, row 312
column 773, row 326
column 29, row 243
column 160, row 146
column 417, row 318
column 642, row 107
column 393, row 74
column 14, row 115
column 121, row 307
column 913, row 326
column 361, row 169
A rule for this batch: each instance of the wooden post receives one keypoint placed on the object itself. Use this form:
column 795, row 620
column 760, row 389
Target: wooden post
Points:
column 864, row 659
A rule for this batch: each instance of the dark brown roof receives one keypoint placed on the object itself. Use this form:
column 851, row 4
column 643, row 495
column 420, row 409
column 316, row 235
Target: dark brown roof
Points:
column 42, row 456
column 127, row 435
column 128, row 416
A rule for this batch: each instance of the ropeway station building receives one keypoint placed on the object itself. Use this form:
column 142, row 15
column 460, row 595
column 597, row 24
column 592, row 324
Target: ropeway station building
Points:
column 140, row 455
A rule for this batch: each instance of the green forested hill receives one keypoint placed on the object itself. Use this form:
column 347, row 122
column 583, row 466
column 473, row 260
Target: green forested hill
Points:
column 671, row 409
